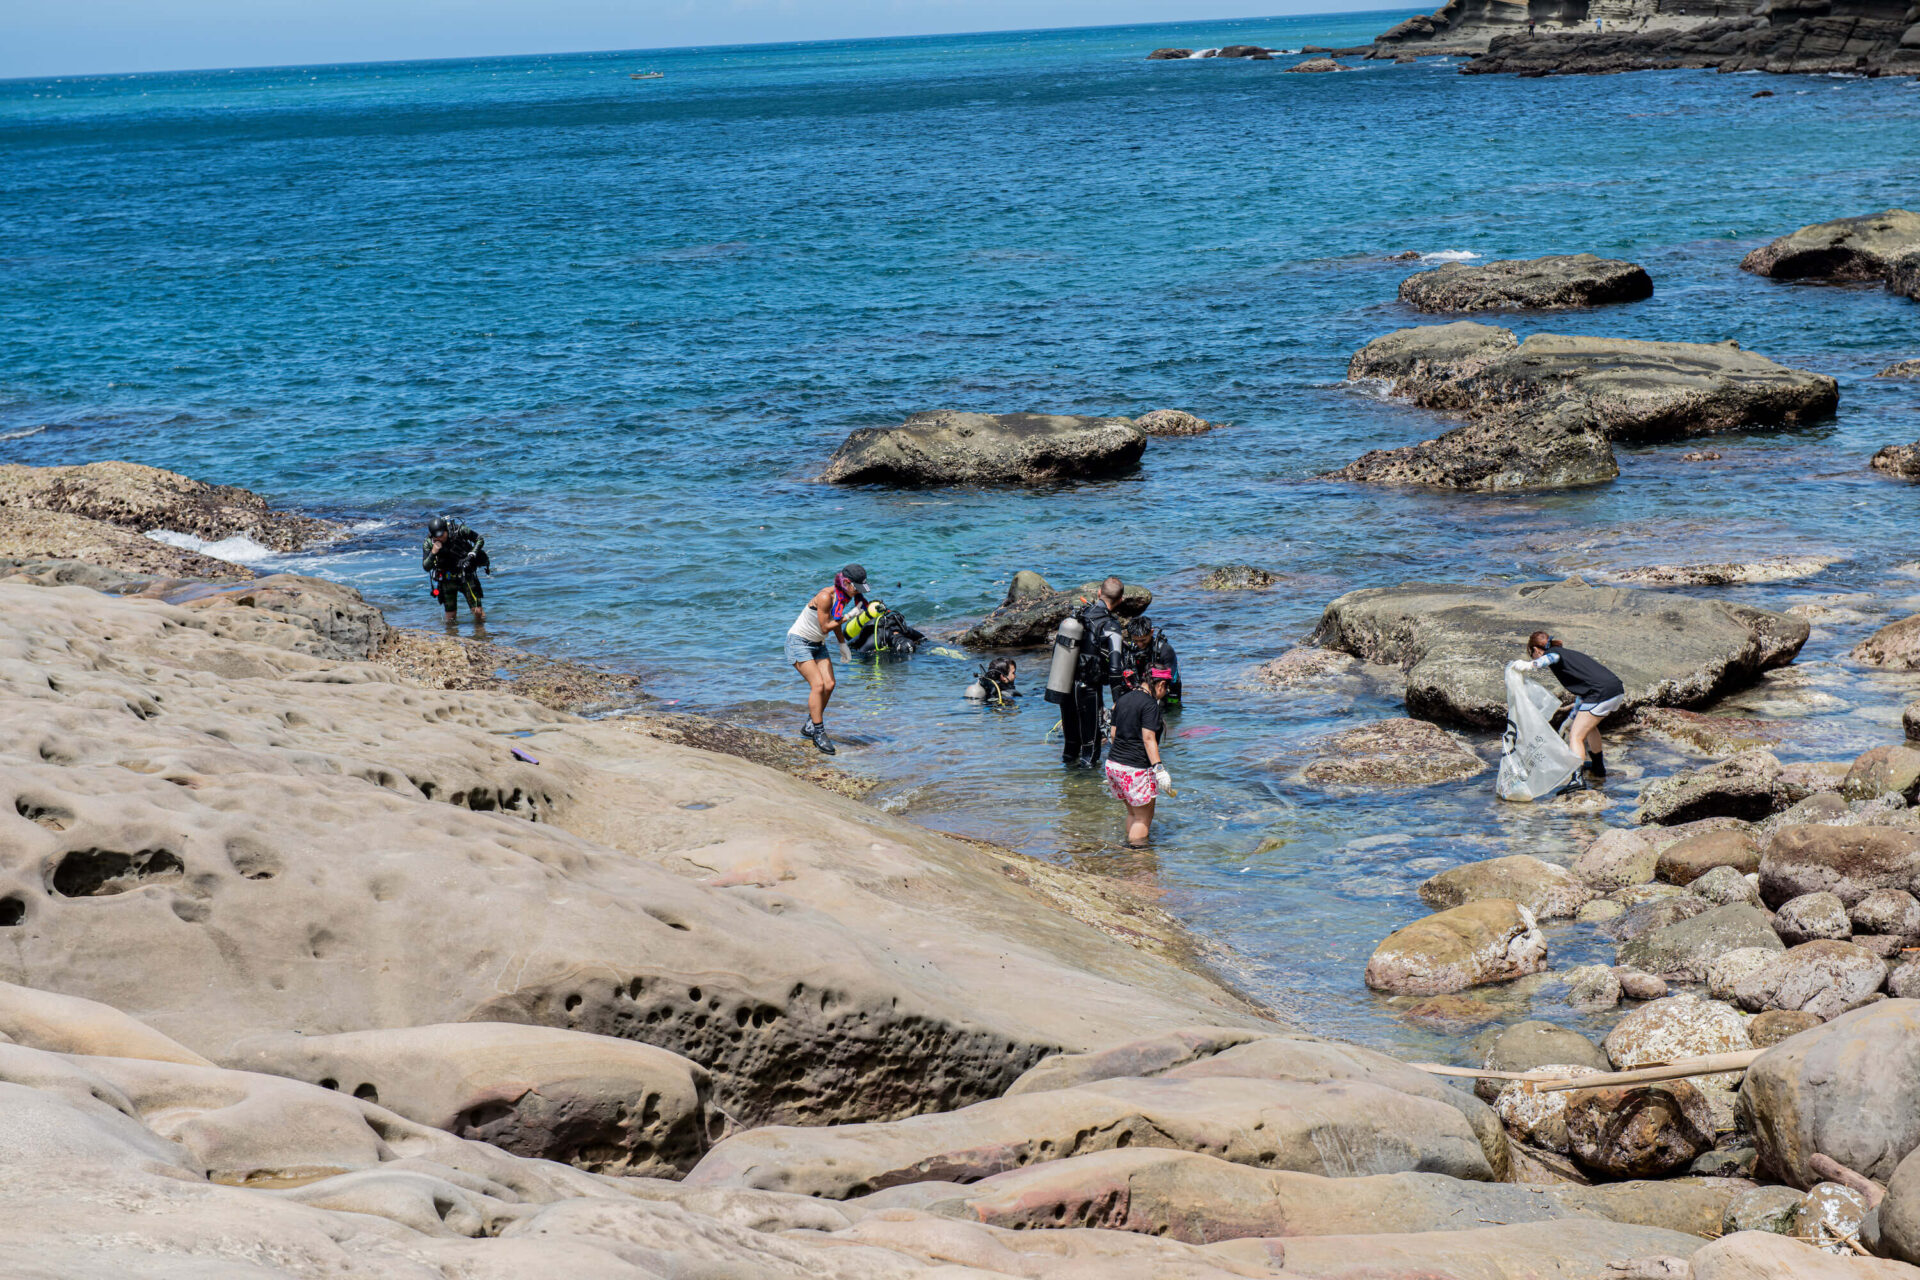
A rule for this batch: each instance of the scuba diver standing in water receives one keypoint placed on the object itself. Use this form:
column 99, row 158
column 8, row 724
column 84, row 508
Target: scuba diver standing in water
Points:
column 1088, row 656
column 820, row 617
column 1597, row 694
column 453, row 556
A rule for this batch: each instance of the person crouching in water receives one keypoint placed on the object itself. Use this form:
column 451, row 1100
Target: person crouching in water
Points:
column 995, row 684
column 1134, row 772
column 1597, row 694
column 819, row 618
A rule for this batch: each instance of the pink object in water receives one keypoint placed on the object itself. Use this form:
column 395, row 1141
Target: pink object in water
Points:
column 1198, row 731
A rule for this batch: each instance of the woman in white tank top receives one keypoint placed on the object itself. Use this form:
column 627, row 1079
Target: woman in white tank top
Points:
column 819, row 618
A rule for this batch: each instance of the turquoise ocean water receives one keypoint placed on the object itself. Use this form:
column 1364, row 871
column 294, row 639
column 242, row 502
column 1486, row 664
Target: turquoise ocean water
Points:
column 619, row 324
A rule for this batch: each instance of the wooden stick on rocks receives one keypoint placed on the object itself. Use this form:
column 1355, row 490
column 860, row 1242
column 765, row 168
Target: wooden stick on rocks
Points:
column 1833, row 1171
column 1552, row 1082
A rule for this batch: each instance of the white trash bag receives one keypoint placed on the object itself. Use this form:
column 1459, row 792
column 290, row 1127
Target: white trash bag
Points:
column 1534, row 760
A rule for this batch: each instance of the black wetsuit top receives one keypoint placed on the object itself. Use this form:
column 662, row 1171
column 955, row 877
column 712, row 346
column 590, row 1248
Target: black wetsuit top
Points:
column 1581, row 676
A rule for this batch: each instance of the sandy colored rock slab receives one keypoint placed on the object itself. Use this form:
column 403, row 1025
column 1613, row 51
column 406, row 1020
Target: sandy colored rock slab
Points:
column 1337, row 1129
column 1527, row 284
column 1393, row 753
column 1544, row 888
column 1762, row 1255
column 946, row 447
column 1639, row 390
column 1494, row 940
column 1453, row 642
column 38, row 542
column 1570, row 1249
column 1861, row 248
column 1150, row 1057
column 596, row 1102
column 69, row 1024
column 138, row 498
column 1712, row 735
column 1744, row 572
column 1849, row 1090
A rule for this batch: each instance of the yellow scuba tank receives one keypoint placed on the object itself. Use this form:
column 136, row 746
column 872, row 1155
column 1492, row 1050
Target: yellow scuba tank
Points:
column 861, row 619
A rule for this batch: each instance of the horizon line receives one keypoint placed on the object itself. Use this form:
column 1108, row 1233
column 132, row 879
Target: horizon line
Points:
column 686, row 48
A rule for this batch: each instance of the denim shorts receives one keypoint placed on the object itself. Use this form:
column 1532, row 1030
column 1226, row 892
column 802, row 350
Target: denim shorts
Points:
column 800, row 649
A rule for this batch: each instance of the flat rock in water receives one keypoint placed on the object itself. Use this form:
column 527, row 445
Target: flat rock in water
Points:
column 1174, row 422
column 1393, row 753
column 1771, row 569
column 1557, row 447
column 1306, row 667
column 1238, row 577
column 1639, row 391
column 130, row 496
column 1901, row 369
column 1863, row 248
column 1900, row 460
column 947, row 446
column 1453, row 642
column 1549, row 891
column 1711, row 735
column 1317, row 65
column 1849, row 1090
column 1518, row 284
column 1032, row 609
column 1895, row 646
column 1467, row 946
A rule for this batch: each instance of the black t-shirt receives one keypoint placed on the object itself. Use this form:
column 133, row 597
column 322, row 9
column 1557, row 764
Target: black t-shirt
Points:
column 1133, row 712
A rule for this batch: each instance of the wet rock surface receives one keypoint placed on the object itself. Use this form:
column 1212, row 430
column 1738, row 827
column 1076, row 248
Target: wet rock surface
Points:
column 1453, row 642
column 947, row 446
column 1238, row 577
column 1558, row 447
column 1862, row 248
column 1393, row 753
column 1174, row 422
column 1467, row 946
column 130, row 496
column 1556, row 281
column 1895, row 646
column 1547, row 890
column 1033, row 608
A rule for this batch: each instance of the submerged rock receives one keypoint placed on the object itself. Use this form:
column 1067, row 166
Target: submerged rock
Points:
column 1638, row 390
column 1863, row 248
column 1901, row 460
column 1901, row 369
column 1306, row 667
column 1560, row 280
column 1467, row 946
column 1033, row 609
column 1393, row 753
column 1771, row 569
column 946, row 446
column 1174, row 422
column 1557, row 447
column 1316, row 65
column 1453, row 642
column 1238, row 577
column 1896, row 646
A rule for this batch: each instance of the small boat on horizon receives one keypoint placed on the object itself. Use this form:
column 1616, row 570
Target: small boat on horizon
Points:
column 647, row 75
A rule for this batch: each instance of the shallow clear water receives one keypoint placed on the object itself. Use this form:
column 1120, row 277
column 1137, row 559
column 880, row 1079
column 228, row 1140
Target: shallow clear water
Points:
column 619, row 324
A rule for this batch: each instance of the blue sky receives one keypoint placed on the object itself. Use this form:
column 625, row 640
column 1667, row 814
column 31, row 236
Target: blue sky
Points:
column 80, row 37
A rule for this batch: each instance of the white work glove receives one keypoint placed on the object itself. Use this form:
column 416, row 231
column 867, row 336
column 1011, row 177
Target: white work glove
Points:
column 1161, row 776
column 1519, row 664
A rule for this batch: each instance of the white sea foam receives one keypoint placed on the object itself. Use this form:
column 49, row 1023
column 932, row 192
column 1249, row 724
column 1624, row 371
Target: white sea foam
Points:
column 22, row 435
column 1202, row 53
column 1449, row 255
column 239, row 549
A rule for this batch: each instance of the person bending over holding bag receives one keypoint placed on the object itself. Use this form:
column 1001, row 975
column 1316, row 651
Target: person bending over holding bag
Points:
column 1597, row 694
column 1134, row 772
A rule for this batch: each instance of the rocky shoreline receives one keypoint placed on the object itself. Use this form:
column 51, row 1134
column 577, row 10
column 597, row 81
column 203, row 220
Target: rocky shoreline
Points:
column 435, row 977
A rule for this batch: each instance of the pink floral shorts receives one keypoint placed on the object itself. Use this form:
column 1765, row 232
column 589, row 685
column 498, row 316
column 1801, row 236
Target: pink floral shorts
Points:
column 1131, row 786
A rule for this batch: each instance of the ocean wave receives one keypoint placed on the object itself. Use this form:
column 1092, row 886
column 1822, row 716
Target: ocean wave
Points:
column 1449, row 255
column 238, row 549
column 22, row 435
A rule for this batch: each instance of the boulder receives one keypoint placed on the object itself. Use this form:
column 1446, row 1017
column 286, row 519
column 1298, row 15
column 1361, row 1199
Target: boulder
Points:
column 597, row 1102
column 1527, row 1046
column 1903, row 979
column 1687, row 860
column 1169, row 54
column 1392, row 753
column 1654, row 914
column 1450, row 1013
column 1638, row 390
column 1316, row 65
column 1893, row 1230
column 1488, row 941
column 1729, row 969
column 1750, row 786
column 1896, row 645
column 1620, row 857
column 1453, row 642
column 1829, row 1216
column 1884, row 771
column 1237, row 577
column 1769, row 1209
column 950, row 447
column 1638, row 1131
column 1726, row 886
column 1849, row 1090
column 1849, row 862
column 1549, row 891
column 1535, row 1118
column 1174, row 422
column 1343, row 1128
column 1893, row 912
column 1683, row 1026
column 1636, row 984
column 1521, row 284
column 1770, row 1028
column 1758, row 1255
column 1033, row 609
column 1593, row 986
column 1812, row 916
column 1901, row 369
column 1555, row 447
column 1862, row 248
column 1824, row 978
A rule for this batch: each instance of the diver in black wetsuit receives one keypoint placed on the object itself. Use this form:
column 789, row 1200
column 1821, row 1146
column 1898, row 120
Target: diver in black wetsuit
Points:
column 1102, row 665
column 453, row 556
column 1597, row 694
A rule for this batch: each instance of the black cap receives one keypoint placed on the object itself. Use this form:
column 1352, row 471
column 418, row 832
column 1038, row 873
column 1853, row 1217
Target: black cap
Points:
column 855, row 574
